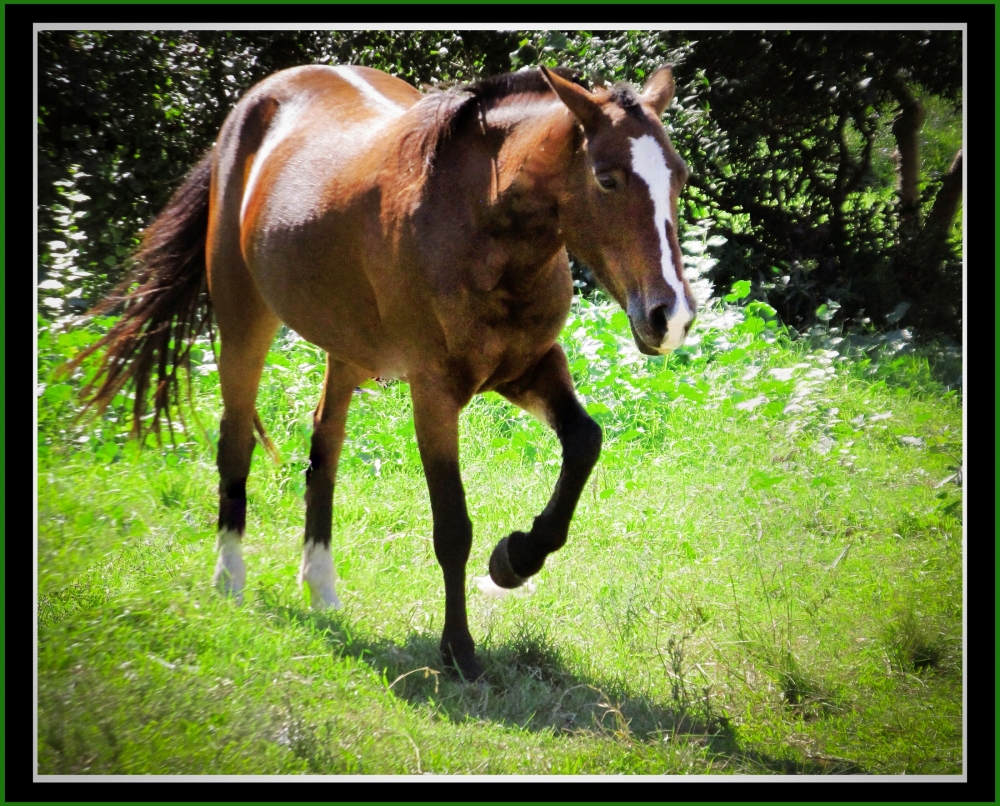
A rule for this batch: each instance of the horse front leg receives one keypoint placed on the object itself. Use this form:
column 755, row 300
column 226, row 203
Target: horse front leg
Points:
column 435, row 415
column 547, row 392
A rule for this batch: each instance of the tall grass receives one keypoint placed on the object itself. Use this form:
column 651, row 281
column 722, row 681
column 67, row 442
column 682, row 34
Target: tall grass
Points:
column 764, row 574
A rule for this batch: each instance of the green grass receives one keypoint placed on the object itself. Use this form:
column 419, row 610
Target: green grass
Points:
column 764, row 576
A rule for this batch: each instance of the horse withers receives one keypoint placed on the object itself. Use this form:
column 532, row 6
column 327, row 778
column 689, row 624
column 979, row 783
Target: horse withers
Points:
column 422, row 237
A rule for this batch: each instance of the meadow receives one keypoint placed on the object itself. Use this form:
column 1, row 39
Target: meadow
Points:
column 764, row 574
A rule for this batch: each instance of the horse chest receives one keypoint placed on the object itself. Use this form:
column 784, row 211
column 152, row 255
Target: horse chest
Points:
column 499, row 334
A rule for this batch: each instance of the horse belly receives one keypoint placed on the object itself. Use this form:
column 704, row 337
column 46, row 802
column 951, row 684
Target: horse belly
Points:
column 316, row 284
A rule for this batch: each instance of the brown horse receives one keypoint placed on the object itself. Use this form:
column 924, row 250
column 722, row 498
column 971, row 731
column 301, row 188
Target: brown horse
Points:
column 422, row 237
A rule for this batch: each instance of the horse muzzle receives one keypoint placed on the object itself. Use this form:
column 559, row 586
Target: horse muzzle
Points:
column 661, row 324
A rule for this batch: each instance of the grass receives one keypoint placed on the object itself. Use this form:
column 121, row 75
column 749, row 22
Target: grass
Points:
column 764, row 575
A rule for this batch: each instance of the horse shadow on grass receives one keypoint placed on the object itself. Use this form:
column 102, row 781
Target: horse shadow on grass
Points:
column 528, row 684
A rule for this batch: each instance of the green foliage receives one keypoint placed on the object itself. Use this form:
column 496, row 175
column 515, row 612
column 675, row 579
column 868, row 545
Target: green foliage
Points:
column 124, row 114
column 788, row 135
column 761, row 576
column 916, row 645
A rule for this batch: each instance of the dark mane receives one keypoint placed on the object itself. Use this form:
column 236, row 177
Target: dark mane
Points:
column 624, row 95
column 443, row 112
column 486, row 93
column 495, row 88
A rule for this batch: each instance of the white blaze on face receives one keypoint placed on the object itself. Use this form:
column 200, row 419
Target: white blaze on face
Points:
column 318, row 576
column 649, row 164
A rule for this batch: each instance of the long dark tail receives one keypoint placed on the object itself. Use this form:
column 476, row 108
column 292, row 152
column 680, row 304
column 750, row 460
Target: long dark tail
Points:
column 164, row 316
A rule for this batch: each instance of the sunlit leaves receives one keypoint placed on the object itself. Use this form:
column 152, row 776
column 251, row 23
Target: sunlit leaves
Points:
column 763, row 480
column 741, row 288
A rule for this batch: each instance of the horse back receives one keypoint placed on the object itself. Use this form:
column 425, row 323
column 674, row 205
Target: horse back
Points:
column 295, row 166
column 300, row 130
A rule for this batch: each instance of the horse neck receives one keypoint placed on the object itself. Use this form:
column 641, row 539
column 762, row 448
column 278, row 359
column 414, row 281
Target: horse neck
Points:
column 528, row 178
column 495, row 189
column 533, row 148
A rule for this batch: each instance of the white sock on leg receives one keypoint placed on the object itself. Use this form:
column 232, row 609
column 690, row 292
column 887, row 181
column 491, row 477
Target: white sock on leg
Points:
column 230, row 572
column 318, row 575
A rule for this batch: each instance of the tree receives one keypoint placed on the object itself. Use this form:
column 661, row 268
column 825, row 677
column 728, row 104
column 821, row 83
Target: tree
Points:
column 123, row 115
column 789, row 136
column 804, row 114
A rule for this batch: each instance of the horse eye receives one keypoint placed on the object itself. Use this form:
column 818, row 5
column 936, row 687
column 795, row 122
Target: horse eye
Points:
column 607, row 181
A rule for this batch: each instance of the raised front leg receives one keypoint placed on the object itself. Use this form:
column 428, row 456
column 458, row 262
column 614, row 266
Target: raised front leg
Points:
column 435, row 416
column 329, row 421
column 547, row 392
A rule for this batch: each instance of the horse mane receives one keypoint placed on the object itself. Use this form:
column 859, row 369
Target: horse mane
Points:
column 624, row 95
column 490, row 90
column 441, row 113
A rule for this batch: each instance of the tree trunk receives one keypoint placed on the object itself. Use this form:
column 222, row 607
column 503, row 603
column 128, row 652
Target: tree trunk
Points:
column 942, row 214
column 905, row 129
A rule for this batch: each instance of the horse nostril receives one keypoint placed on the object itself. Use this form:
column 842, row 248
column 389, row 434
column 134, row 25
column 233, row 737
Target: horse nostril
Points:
column 658, row 322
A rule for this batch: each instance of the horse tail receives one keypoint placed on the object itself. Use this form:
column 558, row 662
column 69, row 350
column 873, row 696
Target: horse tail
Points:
column 265, row 440
column 163, row 316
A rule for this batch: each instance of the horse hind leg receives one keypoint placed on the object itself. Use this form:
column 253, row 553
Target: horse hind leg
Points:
column 245, row 342
column 329, row 421
column 547, row 392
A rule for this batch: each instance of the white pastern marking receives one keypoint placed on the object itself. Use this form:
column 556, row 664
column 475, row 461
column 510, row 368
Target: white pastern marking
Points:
column 369, row 93
column 650, row 166
column 318, row 576
column 491, row 590
column 230, row 572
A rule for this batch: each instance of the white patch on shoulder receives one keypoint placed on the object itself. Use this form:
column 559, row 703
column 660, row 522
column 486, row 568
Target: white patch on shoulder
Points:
column 230, row 572
column 318, row 576
column 491, row 590
column 368, row 92
column 650, row 166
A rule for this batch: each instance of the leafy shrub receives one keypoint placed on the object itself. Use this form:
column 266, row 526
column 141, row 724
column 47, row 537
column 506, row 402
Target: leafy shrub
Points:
column 790, row 136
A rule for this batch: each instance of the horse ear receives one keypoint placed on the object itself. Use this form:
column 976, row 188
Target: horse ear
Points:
column 580, row 102
column 659, row 89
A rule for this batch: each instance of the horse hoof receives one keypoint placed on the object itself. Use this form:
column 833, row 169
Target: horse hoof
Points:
column 323, row 597
column 500, row 571
column 317, row 575
column 230, row 572
column 465, row 668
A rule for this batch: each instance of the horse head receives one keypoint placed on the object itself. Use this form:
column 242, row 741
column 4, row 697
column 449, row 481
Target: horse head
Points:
column 619, row 211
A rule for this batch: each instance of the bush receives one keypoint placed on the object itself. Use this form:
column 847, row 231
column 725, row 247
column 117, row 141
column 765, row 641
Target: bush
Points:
column 797, row 142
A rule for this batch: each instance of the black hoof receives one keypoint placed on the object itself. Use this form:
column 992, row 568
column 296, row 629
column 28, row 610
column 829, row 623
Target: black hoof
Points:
column 465, row 666
column 500, row 571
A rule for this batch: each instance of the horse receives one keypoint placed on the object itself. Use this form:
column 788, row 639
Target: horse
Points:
column 415, row 236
